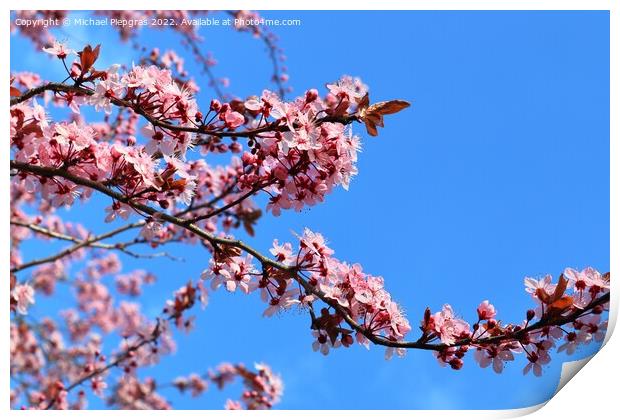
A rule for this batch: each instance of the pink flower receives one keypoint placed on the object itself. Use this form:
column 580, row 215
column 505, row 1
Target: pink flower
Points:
column 496, row 355
column 348, row 87
column 544, row 284
column 234, row 272
column 448, row 327
column 253, row 104
column 59, row 50
column 398, row 323
column 580, row 280
column 23, row 295
column 204, row 293
column 586, row 284
column 158, row 141
column 28, row 79
column 38, row 113
column 573, row 340
column 233, row 119
column 536, row 362
column 281, row 301
column 286, row 112
column 486, row 311
column 105, row 91
column 283, row 253
column 131, row 283
column 78, row 137
column 218, row 273
column 315, row 243
column 593, row 325
column 117, row 209
column 98, row 385
column 322, row 342
column 305, row 136
column 152, row 230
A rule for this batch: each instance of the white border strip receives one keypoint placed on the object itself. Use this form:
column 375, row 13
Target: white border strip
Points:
column 592, row 395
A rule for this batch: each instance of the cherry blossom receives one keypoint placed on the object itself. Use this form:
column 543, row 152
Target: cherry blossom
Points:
column 486, row 311
column 536, row 362
column 59, row 50
column 448, row 327
column 23, row 296
column 496, row 356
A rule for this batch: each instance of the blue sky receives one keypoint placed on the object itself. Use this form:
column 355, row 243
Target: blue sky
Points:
column 499, row 170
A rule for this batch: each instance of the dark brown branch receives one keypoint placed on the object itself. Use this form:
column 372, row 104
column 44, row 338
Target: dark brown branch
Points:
column 210, row 203
column 91, row 242
column 63, row 173
column 229, row 205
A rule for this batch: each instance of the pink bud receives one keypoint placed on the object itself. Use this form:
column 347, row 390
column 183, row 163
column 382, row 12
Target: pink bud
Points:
column 486, row 311
column 311, row 95
column 215, row 105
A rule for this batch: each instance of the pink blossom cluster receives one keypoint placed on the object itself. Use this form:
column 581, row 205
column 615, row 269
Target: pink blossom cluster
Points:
column 26, row 79
column 58, row 355
column 298, row 153
column 552, row 302
column 131, row 283
column 304, row 162
column 362, row 296
column 358, row 308
column 133, row 394
column 22, row 296
column 176, row 20
column 262, row 388
column 182, row 24
column 73, row 145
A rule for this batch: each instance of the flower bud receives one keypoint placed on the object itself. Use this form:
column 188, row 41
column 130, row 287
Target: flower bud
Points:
column 311, row 95
column 456, row 364
column 530, row 314
column 215, row 105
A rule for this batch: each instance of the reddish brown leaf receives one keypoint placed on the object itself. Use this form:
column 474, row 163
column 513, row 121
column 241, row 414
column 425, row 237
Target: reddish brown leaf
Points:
column 543, row 296
column 388, row 107
column 559, row 289
column 373, row 115
column 88, row 56
column 558, row 307
column 364, row 102
column 376, row 119
column 371, row 128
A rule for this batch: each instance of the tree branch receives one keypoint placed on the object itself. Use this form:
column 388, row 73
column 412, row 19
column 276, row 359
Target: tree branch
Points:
column 202, row 129
column 92, row 242
column 295, row 272
column 118, row 360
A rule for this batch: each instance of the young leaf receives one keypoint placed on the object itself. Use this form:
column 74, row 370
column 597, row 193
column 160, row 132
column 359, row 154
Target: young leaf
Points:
column 88, row 56
column 372, row 115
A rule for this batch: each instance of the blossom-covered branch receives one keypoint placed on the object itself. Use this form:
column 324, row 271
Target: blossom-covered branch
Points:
column 321, row 276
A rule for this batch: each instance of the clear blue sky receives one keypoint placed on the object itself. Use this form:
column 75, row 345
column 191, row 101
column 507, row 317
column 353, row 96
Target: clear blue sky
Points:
column 499, row 170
